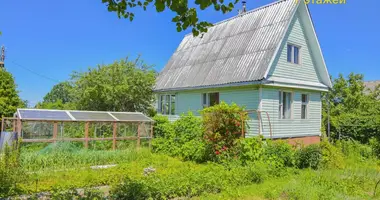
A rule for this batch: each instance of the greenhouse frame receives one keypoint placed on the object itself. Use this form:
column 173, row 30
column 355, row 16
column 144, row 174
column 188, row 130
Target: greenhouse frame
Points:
column 47, row 125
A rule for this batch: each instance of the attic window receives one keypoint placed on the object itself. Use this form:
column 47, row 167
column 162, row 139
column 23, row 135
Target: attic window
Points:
column 293, row 55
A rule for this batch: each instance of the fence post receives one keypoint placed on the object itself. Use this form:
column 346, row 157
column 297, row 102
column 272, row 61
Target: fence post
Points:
column 55, row 132
column 19, row 127
column 14, row 125
column 138, row 134
column 151, row 135
column 114, row 135
column 86, row 135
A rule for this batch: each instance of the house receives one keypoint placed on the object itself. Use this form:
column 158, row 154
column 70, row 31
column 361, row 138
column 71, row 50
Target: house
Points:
column 371, row 85
column 267, row 59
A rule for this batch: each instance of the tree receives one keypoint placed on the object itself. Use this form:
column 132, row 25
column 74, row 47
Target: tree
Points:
column 121, row 86
column 9, row 98
column 62, row 91
column 354, row 112
column 186, row 16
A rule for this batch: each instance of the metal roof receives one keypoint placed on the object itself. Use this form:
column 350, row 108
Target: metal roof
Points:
column 235, row 50
column 76, row 115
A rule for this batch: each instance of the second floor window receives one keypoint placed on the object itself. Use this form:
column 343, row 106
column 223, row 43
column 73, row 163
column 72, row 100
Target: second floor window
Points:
column 293, row 54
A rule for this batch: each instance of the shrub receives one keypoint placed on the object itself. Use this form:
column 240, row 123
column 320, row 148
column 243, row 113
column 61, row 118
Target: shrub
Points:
column 11, row 172
column 162, row 126
column 375, row 146
column 354, row 149
column 331, row 156
column 250, row 149
column 223, row 125
column 182, row 138
column 310, row 156
column 281, row 151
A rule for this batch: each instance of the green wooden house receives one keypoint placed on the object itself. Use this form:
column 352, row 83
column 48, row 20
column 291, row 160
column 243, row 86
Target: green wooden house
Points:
column 267, row 59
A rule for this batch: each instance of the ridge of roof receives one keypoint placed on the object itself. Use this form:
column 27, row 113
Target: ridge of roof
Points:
column 246, row 13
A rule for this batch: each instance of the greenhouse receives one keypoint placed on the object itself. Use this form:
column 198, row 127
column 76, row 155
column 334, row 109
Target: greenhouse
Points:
column 94, row 129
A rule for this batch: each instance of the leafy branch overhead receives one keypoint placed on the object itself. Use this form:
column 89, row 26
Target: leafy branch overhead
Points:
column 185, row 16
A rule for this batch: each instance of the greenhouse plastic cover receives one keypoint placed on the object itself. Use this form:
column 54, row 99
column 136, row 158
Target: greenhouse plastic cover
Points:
column 75, row 115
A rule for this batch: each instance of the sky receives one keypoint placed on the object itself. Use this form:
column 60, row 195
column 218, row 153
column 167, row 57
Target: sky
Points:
column 47, row 40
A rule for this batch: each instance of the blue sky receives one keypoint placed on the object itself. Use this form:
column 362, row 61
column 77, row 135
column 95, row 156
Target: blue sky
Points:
column 54, row 38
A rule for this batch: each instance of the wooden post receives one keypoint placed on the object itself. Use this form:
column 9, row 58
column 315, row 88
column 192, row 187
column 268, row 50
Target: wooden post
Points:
column 14, row 125
column 138, row 134
column 2, row 125
column 151, row 134
column 86, row 134
column 55, row 132
column 19, row 127
column 114, row 135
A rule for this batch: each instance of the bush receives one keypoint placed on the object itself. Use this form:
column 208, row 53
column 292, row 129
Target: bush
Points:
column 250, row 149
column 310, row 156
column 331, row 156
column 375, row 146
column 355, row 149
column 223, row 126
column 281, row 151
column 11, row 172
column 182, row 138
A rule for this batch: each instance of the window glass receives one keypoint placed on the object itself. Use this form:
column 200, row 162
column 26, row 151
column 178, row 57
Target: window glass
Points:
column 285, row 105
column 214, row 98
column 296, row 55
column 172, row 105
column 305, row 101
column 280, row 105
column 162, row 104
column 289, row 53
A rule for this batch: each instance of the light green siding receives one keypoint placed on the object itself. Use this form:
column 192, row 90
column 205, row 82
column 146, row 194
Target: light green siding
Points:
column 295, row 126
column 305, row 71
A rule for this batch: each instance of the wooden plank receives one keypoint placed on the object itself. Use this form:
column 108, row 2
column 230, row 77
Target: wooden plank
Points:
column 14, row 124
column 138, row 134
column 55, row 131
column 19, row 128
column 86, row 126
column 80, row 139
column 151, row 135
column 114, row 135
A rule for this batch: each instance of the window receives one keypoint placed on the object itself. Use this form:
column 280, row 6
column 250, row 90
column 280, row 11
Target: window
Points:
column 304, row 105
column 210, row 99
column 285, row 105
column 293, row 54
column 166, row 104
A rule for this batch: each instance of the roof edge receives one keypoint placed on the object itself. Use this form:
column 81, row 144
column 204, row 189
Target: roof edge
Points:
column 281, row 41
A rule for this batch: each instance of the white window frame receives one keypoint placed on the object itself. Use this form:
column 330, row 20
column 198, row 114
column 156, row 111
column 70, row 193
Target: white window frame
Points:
column 306, row 104
column 281, row 106
column 160, row 103
column 292, row 54
column 207, row 103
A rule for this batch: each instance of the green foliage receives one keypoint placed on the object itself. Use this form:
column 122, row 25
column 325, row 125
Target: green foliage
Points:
column 223, row 125
column 354, row 111
column 181, row 138
column 310, row 156
column 11, row 172
column 251, row 149
column 9, row 97
column 332, row 157
column 186, row 16
column 280, row 151
column 354, row 149
column 122, row 86
column 60, row 97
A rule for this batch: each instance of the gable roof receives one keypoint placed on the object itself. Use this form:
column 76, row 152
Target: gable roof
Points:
column 236, row 50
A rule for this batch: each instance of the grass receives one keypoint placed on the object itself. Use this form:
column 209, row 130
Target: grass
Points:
column 65, row 166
